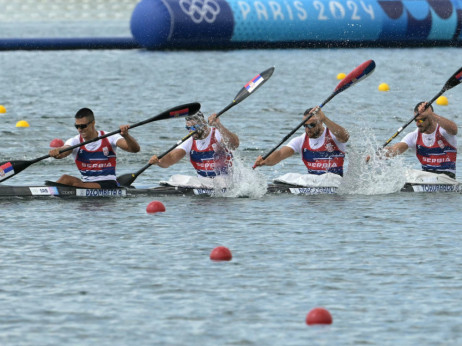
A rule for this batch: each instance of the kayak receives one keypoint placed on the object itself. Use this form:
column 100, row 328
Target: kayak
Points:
column 57, row 190
column 7, row 191
column 181, row 185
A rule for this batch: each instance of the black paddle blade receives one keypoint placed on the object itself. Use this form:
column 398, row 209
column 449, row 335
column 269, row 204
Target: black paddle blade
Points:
column 126, row 179
column 11, row 168
column 129, row 178
column 455, row 79
column 183, row 110
column 253, row 85
column 175, row 112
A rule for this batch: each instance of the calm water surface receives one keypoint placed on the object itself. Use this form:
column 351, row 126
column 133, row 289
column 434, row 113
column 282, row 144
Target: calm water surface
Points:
column 385, row 264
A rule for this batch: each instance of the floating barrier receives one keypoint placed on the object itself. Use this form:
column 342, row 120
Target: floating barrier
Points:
column 224, row 24
column 68, row 43
column 209, row 24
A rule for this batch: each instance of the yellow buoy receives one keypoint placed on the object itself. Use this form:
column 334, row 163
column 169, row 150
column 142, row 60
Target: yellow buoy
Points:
column 442, row 101
column 384, row 87
column 341, row 75
column 2, row 109
column 22, row 123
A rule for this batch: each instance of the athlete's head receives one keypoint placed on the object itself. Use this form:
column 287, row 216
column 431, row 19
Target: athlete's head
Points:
column 308, row 111
column 423, row 122
column 83, row 118
column 313, row 128
column 197, row 117
column 416, row 108
column 197, row 123
column 85, row 113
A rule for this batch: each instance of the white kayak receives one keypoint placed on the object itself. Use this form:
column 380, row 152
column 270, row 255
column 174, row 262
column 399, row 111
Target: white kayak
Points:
column 294, row 183
column 416, row 181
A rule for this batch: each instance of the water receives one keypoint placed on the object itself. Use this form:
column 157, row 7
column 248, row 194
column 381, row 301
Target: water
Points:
column 385, row 264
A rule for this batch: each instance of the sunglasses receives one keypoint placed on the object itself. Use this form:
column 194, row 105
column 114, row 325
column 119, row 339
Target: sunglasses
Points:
column 420, row 121
column 82, row 126
column 193, row 128
column 310, row 126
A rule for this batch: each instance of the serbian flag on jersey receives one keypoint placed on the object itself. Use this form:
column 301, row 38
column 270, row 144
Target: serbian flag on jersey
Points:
column 180, row 113
column 6, row 170
column 254, row 83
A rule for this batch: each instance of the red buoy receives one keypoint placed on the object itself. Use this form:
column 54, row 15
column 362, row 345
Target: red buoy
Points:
column 221, row 253
column 56, row 143
column 318, row 316
column 155, row 207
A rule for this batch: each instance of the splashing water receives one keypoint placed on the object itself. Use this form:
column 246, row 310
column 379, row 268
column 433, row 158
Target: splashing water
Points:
column 378, row 176
column 244, row 182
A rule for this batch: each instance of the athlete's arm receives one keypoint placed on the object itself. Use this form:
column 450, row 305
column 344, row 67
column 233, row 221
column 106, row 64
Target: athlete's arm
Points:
column 127, row 143
column 275, row 157
column 229, row 138
column 55, row 152
column 170, row 159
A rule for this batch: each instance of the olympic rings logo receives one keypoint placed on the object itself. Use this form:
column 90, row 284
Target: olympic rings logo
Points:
column 200, row 10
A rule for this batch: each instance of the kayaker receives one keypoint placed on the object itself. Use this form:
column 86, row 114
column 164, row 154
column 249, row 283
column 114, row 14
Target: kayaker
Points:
column 434, row 142
column 322, row 146
column 96, row 161
column 209, row 148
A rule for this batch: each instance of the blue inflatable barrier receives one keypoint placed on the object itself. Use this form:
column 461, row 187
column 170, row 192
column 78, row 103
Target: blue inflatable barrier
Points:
column 209, row 24
column 68, row 43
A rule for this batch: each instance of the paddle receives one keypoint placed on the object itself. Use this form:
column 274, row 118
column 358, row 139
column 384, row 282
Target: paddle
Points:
column 9, row 169
column 454, row 80
column 358, row 74
column 249, row 88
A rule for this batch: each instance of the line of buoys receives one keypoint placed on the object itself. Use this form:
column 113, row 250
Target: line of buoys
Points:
column 341, row 75
column 442, row 101
column 222, row 253
column 384, row 87
column 2, row 109
column 22, row 123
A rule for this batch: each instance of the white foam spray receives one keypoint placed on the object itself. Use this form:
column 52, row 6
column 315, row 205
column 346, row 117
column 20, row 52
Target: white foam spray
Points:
column 378, row 176
column 243, row 182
